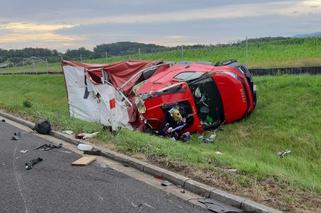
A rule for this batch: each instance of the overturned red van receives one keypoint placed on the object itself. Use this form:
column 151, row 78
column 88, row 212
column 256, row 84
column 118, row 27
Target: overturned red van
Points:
column 158, row 96
column 206, row 95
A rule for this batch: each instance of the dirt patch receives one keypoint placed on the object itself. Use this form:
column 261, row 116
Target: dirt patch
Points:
column 110, row 146
column 270, row 192
column 140, row 156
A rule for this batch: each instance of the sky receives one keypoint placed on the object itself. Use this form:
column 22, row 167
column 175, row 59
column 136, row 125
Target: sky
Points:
column 70, row 24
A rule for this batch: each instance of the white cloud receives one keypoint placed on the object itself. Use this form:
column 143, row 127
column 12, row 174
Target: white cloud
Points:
column 33, row 27
column 171, row 40
column 13, row 38
column 283, row 8
column 22, row 33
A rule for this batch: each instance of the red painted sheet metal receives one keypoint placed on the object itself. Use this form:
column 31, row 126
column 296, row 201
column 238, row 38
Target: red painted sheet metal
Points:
column 121, row 72
column 118, row 73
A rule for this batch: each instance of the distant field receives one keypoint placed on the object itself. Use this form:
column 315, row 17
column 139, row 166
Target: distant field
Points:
column 265, row 54
column 283, row 53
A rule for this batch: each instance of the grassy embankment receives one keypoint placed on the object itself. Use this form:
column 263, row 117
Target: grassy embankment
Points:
column 265, row 54
column 286, row 117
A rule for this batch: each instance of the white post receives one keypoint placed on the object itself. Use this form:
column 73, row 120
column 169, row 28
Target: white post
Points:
column 47, row 66
column 246, row 52
column 33, row 64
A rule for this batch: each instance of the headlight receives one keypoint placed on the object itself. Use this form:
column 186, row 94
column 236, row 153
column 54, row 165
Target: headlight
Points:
column 231, row 74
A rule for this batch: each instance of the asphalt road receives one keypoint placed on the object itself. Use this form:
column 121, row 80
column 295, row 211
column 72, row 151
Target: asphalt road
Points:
column 53, row 185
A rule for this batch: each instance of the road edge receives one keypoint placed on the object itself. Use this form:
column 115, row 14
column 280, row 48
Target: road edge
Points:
column 177, row 179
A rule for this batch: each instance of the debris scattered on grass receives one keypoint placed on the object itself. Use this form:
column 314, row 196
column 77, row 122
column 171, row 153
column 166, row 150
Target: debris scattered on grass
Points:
column 284, row 153
column 185, row 137
column 31, row 163
column 85, row 136
column 68, row 132
column 209, row 139
column 24, row 151
column 213, row 136
column 84, row 147
column 220, row 128
column 16, row 136
column 84, row 161
column 47, row 147
column 218, row 153
column 230, row 170
column 166, row 183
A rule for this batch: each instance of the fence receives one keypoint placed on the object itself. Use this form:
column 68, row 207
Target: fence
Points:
column 256, row 72
column 267, row 52
column 291, row 70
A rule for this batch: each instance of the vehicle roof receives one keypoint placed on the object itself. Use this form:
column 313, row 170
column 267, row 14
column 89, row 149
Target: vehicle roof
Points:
column 166, row 77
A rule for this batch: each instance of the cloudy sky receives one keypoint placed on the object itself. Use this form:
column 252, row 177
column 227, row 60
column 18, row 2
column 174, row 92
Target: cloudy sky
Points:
column 63, row 24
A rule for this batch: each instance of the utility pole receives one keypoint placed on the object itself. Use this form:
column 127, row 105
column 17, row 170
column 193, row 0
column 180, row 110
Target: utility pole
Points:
column 47, row 66
column 246, row 51
column 182, row 52
column 139, row 53
column 33, row 64
column 81, row 58
column 106, row 56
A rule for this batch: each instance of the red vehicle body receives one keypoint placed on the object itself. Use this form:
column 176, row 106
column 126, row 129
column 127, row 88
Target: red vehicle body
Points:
column 227, row 90
column 205, row 95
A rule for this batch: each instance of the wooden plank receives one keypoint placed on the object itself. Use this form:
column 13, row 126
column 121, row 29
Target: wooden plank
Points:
column 84, row 161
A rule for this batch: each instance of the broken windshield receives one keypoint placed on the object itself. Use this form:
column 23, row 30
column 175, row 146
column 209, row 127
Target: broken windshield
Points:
column 208, row 102
column 188, row 76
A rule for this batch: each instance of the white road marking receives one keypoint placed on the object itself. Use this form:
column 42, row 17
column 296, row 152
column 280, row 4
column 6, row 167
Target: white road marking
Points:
column 18, row 179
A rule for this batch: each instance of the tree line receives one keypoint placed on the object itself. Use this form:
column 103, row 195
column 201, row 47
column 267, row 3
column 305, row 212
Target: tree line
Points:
column 30, row 55
column 23, row 56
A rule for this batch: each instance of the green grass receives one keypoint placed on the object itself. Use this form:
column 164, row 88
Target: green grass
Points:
column 287, row 117
column 265, row 54
column 52, row 67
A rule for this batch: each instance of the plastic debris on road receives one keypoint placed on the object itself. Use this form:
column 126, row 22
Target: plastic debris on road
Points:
column 84, row 147
column 31, row 163
column 217, row 206
column 166, row 183
column 16, row 136
column 47, row 147
column 43, row 127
